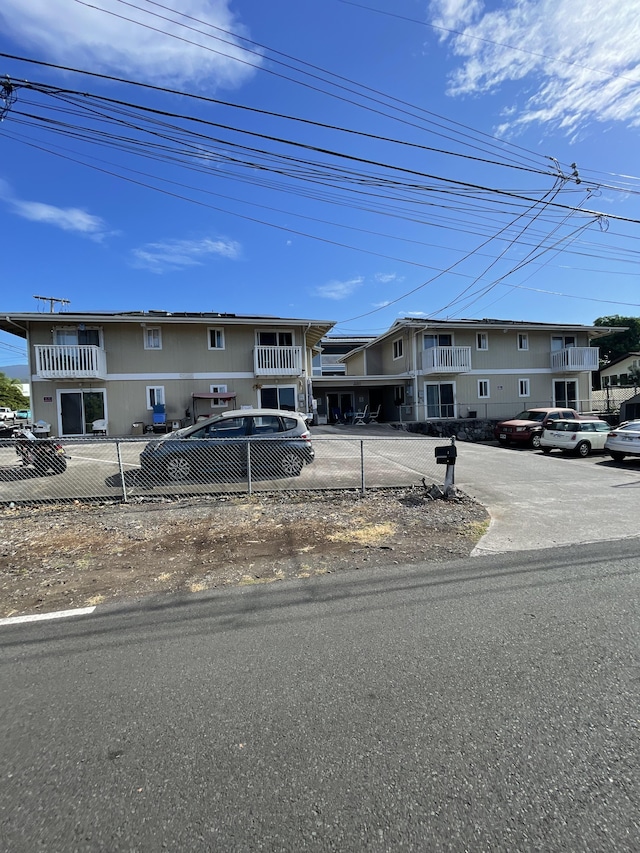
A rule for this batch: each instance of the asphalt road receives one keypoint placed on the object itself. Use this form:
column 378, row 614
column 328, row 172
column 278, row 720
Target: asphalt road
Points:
column 486, row 704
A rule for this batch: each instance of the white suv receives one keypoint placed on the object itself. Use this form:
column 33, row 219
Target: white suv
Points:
column 7, row 414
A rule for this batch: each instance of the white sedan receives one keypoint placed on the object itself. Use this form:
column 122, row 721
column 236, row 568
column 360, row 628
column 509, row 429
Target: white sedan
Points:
column 624, row 441
column 580, row 437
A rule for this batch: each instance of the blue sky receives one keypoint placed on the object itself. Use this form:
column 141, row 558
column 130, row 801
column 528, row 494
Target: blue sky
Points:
column 348, row 161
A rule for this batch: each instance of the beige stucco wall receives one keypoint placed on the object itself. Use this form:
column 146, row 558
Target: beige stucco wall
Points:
column 183, row 366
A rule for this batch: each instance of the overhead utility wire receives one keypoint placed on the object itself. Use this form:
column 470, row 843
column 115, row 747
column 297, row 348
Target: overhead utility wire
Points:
column 489, row 41
column 238, row 37
column 42, row 87
column 54, row 91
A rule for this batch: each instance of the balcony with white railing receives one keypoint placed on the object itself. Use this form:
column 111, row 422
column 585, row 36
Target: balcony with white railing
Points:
column 70, row 362
column 446, row 360
column 277, row 361
column 576, row 359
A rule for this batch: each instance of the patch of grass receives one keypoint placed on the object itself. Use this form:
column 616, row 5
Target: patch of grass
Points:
column 368, row 534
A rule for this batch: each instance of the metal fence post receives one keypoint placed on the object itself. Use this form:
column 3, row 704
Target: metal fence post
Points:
column 362, row 466
column 124, row 485
column 249, row 482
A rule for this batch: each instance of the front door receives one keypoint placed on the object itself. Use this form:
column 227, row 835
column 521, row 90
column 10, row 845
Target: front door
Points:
column 79, row 409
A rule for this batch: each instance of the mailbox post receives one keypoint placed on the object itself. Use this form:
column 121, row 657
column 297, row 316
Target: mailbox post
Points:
column 446, row 455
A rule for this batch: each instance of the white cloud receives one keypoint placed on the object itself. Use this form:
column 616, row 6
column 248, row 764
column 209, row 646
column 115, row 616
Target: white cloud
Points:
column 581, row 63
column 172, row 255
column 339, row 289
column 76, row 35
column 67, row 218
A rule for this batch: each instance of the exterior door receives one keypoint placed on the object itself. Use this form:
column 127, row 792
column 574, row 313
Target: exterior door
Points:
column 565, row 393
column 440, row 400
column 79, row 409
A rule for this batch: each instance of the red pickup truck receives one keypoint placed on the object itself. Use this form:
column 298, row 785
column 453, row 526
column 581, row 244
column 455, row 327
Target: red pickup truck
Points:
column 526, row 427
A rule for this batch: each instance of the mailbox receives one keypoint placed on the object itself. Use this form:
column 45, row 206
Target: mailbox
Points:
column 446, row 455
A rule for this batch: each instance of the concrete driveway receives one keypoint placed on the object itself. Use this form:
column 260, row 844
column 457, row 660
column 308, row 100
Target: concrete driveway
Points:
column 539, row 501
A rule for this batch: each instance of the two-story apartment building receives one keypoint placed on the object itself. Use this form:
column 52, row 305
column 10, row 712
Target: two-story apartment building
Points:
column 430, row 369
column 124, row 367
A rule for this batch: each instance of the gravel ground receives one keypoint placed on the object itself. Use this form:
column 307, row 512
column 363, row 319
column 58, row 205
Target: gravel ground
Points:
column 84, row 554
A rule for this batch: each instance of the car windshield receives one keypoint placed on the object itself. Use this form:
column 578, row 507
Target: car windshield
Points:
column 528, row 415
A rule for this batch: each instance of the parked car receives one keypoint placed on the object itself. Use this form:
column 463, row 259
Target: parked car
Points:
column 580, row 437
column 23, row 415
column 279, row 442
column 527, row 426
column 624, row 441
column 7, row 414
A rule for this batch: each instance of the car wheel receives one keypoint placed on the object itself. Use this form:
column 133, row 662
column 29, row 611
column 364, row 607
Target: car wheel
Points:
column 178, row 468
column 616, row 455
column 583, row 449
column 535, row 441
column 546, row 450
column 291, row 465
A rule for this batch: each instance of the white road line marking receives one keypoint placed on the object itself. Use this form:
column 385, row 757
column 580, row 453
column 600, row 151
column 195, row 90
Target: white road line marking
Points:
column 41, row 617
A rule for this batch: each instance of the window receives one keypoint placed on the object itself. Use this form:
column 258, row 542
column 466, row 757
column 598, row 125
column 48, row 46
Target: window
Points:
column 217, row 402
column 524, row 388
column 275, row 339
column 278, row 397
column 430, row 341
column 523, row 345
column 155, row 396
column 76, row 336
column 397, row 348
column 482, row 341
column 225, row 428
column 398, row 395
column 483, row 388
column 559, row 342
column 152, row 337
column 216, row 338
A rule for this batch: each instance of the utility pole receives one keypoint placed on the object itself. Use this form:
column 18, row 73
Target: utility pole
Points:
column 52, row 300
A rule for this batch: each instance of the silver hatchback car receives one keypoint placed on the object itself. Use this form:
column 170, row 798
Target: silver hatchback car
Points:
column 579, row 437
column 230, row 444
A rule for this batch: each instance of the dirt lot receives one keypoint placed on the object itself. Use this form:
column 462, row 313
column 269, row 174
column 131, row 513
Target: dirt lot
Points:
column 83, row 554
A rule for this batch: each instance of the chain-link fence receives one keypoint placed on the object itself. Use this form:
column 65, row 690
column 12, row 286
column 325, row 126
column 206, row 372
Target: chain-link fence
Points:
column 127, row 469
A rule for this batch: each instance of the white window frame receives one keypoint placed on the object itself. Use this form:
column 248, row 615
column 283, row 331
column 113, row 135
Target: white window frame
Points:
column 216, row 403
column 524, row 387
column 398, row 348
column 566, row 342
column 523, row 342
column 277, row 333
column 145, row 333
column 76, row 328
column 484, row 385
column 159, row 399
column 219, row 335
column 482, row 341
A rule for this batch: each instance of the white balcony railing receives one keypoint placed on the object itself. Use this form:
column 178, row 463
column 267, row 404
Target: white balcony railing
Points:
column 277, row 361
column 70, row 362
column 576, row 358
column 446, row 360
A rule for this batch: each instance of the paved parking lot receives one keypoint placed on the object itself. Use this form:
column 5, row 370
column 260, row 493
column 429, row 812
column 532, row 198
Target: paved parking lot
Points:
column 535, row 501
